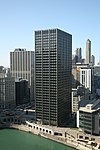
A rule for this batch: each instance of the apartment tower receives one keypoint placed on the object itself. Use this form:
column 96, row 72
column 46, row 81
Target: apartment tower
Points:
column 53, row 63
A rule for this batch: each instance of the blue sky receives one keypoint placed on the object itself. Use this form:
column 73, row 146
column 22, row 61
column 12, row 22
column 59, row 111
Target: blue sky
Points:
column 20, row 18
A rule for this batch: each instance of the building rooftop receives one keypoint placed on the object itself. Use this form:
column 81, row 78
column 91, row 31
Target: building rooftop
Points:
column 90, row 105
column 53, row 29
column 19, row 49
column 86, row 109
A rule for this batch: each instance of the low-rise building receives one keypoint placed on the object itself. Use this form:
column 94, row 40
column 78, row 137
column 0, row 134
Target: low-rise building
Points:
column 88, row 117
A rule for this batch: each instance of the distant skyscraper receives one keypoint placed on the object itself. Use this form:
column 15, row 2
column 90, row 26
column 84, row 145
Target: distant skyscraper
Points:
column 21, row 63
column 88, row 51
column 97, row 80
column 53, row 63
column 77, row 57
column 74, row 59
column 93, row 60
column 79, row 54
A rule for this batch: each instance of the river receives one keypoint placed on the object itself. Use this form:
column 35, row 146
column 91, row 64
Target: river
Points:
column 11, row 139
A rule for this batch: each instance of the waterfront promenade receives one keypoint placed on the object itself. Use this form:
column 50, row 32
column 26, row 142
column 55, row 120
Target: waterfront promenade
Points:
column 72, row 142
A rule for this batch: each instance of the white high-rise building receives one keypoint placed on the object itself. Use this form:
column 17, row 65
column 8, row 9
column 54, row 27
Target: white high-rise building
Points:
column 86, row 78
column 21, row 65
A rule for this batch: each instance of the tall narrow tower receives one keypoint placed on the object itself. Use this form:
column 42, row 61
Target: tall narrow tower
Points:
column 53, row 63
column 88, row 51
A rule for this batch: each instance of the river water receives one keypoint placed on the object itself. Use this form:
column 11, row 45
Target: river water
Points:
column 11, row 139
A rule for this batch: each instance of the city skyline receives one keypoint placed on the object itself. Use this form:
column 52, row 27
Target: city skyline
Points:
column 19, row 20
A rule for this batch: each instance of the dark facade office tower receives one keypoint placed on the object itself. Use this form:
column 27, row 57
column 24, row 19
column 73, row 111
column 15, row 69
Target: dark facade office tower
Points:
column 53, row 63
column 21, row 91
column 93, row 60
column 88, row 51
column 79, row 54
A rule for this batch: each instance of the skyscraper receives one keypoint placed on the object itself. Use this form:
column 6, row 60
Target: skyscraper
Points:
column 21, row 63
column 53, row 63
column 93, row 60
column 88, row 51
column 79, row 54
